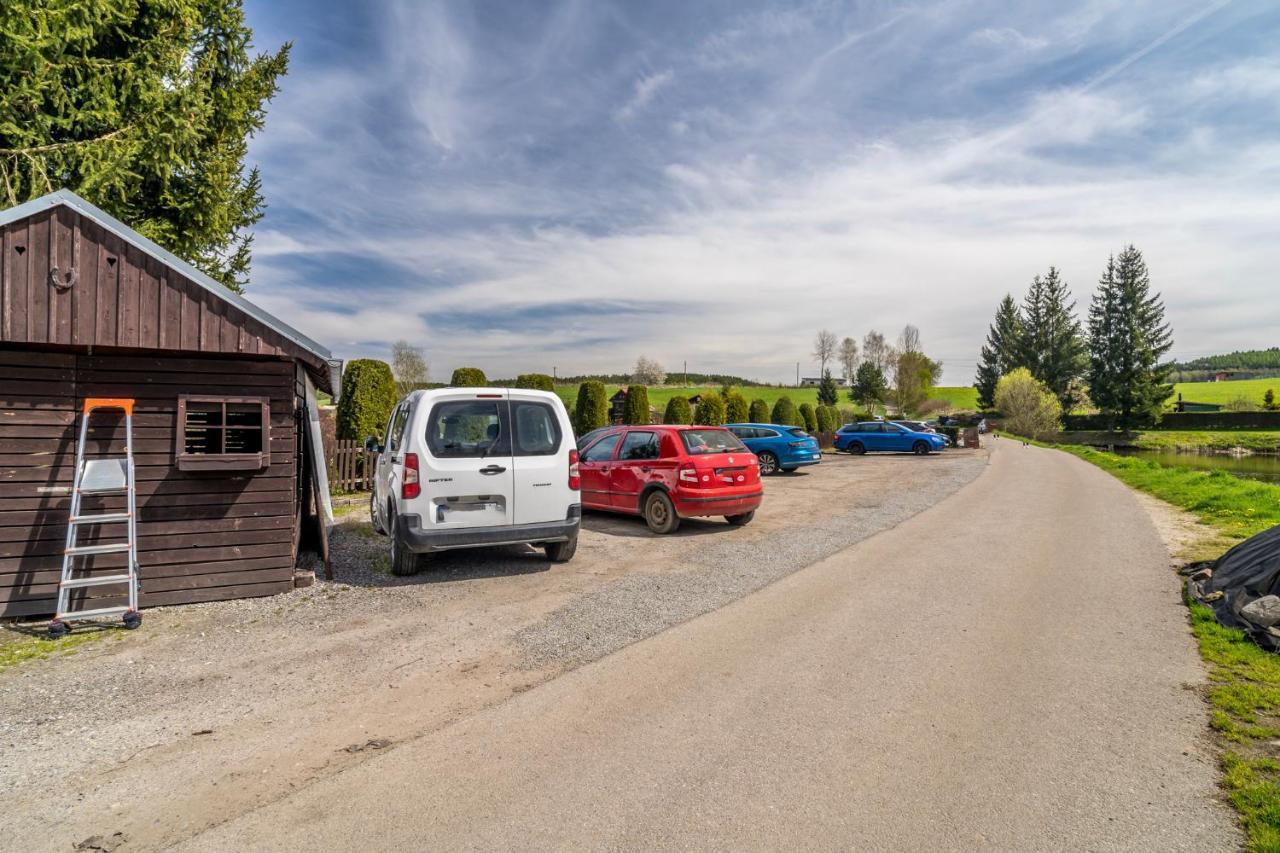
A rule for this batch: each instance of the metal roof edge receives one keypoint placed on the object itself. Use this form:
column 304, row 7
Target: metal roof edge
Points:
column 124, row 232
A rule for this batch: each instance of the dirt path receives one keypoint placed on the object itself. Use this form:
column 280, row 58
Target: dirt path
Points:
column 113, row 738
column 890, row 697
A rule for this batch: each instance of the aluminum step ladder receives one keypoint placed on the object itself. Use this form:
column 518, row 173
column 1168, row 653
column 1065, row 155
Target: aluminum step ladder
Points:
column 95, row 477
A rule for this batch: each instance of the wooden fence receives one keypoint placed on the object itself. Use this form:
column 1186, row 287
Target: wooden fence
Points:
column 351, row 467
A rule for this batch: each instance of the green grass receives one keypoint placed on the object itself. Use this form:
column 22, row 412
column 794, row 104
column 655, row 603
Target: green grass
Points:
column 1259, row 441
column 1225, row 392
column 1244, row 691
column 961, row 398
column 18, row 648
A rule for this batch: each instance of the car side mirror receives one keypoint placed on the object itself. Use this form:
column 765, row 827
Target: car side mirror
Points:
column 371, row 445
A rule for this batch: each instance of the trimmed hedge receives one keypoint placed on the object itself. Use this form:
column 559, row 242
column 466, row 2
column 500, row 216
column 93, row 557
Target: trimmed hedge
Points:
column 809, row 416
column 535, row 382
column 710, row 411
column 785, row 413
column 759, row 412
column 636, row 409
column 368, row 395
column 736, row 409
column 678, row 411
column 468, row 377
column 826, row 421
column 591, row 409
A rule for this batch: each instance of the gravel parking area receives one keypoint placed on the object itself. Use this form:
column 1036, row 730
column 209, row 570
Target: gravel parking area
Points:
column 210, row 710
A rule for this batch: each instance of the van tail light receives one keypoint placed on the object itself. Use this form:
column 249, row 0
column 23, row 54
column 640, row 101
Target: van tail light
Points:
column 689, row 475
column 410, row 487
column 575, row 473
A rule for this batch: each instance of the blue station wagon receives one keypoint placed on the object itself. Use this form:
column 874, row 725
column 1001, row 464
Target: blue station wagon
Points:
column 777, row 447
column 871, row 436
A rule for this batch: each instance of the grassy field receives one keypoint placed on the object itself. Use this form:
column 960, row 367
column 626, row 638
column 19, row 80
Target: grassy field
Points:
column 957, row 398
column 1226, row 392
column 1244, row 692
column 1259, row 441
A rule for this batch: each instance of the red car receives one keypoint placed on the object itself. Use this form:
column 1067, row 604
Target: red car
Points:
column 666, row 473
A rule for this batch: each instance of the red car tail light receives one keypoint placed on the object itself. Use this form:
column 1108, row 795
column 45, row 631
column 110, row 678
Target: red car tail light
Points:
column 689, row 475
column 409, row 486
column 575, row 473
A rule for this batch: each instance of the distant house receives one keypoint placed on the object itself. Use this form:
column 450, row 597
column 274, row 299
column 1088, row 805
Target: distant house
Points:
column 1222, row 376
column 618, row 406
column 811, row 380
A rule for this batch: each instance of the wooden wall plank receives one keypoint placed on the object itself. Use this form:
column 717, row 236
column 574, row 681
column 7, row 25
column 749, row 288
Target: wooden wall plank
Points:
column 109, row 263
column 20, row 306
column 149, row 303
column 38, row 283
column 64, row 257
column 190, row 337
column 83, row 326
column 130, row 277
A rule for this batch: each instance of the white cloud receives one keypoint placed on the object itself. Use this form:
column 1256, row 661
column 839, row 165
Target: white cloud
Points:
column 1008, row 38
column 645, row 89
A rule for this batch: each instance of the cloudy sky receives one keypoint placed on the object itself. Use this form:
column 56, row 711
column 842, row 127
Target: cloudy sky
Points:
column 522, row 186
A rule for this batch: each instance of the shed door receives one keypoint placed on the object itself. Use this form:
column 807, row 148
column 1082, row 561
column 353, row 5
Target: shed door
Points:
column 37, row 457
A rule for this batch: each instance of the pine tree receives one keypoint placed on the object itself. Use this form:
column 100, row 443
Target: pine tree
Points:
column 828, row 394
column 869, row 385
column 1128, row 339
column 1051, row 345
column 145, row 109
column 1002, row 351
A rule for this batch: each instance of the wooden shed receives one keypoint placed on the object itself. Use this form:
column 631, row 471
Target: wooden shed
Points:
column 231, row 488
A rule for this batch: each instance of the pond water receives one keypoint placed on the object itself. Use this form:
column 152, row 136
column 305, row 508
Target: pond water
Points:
column 1257, row 467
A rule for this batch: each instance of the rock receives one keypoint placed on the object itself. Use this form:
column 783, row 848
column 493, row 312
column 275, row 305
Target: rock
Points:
column 105, row 844
column 1263, row 612
column 1202, row 575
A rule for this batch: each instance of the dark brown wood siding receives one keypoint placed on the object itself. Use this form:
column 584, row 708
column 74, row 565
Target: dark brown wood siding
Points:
column 118, row 296
column 201, row 536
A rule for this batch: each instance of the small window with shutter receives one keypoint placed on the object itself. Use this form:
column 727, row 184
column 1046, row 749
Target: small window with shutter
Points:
column 223, row 433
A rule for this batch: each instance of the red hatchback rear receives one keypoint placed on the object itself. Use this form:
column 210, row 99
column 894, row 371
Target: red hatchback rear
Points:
column 666, row 473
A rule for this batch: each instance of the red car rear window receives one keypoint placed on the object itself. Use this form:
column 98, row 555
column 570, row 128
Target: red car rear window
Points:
column 702, row 441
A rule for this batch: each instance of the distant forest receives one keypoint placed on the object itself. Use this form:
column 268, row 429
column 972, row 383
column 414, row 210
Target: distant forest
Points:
column 1244, row 364
column 675, row 377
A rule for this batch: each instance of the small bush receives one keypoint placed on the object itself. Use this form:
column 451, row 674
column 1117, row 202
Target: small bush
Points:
column 591, row 409
column 636, row 410
column 1030, row 409
column 785, row 413
column 759, row 412
column 678, row 411
column 368, row 395
column 535, row 382
column 736, row 409
column 825, row 421
column 710, row 411
column 468, row 377
column 809, row 416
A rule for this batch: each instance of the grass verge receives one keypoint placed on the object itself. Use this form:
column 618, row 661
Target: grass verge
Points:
column 1244, row 679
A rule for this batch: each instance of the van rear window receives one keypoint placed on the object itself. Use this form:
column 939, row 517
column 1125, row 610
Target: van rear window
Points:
column 463, row 428
column 699, row 441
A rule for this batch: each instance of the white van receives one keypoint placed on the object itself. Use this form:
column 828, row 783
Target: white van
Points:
column 470, row 467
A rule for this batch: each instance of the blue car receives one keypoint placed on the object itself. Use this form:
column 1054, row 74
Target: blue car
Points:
column 871, row 436
column 779, row 448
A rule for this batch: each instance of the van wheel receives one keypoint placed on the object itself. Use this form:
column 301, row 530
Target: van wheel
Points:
column 739, row 520
column 856, row 448
column 768, row 463
column 562, row 552
column 373, row 514
column 660, row 513
column 403, row 561
column 920, row 448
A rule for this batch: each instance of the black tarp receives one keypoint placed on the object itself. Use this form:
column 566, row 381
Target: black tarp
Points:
column 1244, row 574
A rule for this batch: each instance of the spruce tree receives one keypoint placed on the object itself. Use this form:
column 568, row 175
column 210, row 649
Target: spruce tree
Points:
column 145, row 109
column 869, row 385
column 1051, row 345
column 1128, row 339
column 1002, row 351
column 828, row 394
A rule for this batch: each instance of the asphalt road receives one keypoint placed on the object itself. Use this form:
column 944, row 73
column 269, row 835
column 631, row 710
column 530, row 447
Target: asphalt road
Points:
column 1009, row 670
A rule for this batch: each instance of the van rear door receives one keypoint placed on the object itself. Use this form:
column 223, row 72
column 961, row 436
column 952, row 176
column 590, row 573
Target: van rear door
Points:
column 540, row 457
column 467, row 476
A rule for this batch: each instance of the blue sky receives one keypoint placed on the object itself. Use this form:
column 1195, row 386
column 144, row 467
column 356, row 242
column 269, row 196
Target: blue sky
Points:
column 522, row 186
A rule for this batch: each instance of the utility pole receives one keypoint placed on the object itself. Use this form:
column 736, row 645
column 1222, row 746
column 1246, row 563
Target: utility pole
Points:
column 797, row 374
column 553, row 374
column 686, row 373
